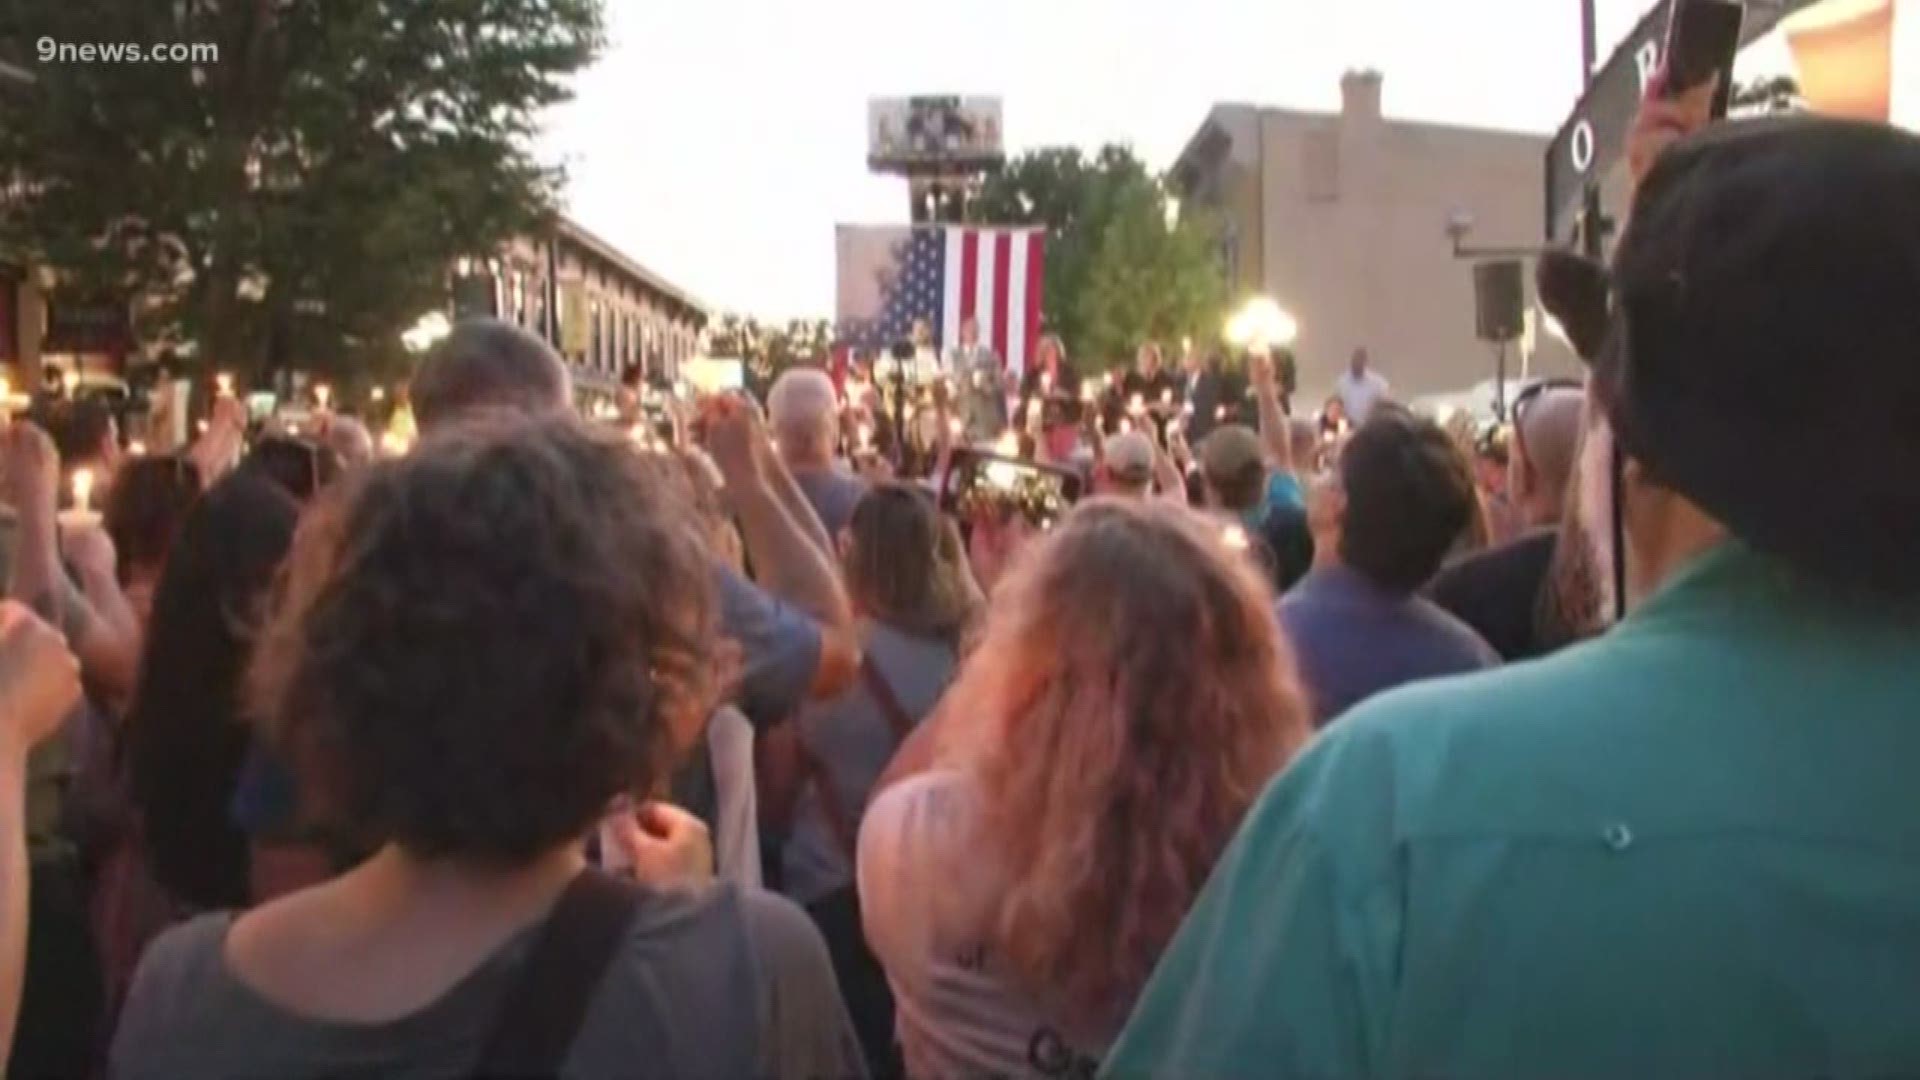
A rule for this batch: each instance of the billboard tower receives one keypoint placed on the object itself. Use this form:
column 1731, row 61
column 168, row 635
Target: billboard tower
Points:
column 943, row 146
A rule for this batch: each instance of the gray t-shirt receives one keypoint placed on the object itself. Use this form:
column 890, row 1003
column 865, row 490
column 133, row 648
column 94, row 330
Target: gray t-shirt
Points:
column 833, row 492
column 728, row 983
column 851, row 737
column 925, row 896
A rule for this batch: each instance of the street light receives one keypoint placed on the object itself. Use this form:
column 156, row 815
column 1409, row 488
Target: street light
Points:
column 426, row 333
column 1261, row 323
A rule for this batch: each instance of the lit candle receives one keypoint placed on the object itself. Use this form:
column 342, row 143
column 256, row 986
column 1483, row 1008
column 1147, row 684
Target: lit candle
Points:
column 379, row 393
column 201, row 427
column 1166, row 397
column 70, row 382
column 1219, row 412
column 955, row 427
column 1008, row 444
column 82, row 513
column 224, row 382
column 1087, row 393
column 322, row 394
column 137, row 448
column 1138, row 405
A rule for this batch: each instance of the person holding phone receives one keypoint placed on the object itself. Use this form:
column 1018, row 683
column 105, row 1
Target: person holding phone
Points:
column 1682, row 848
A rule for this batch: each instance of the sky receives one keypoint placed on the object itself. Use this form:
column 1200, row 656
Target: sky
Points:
column 718, row 142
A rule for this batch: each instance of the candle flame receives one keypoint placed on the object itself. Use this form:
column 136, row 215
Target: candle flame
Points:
column 82, row 489
column 224, row 381
column 1008, row 444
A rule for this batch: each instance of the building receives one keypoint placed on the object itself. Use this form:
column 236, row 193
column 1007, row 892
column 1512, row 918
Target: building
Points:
column 601, row 308
column 1344, row 220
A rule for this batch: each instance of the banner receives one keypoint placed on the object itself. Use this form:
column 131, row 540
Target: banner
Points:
column 576, row 335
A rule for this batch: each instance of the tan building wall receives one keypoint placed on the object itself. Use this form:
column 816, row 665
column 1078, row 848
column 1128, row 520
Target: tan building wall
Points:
column 1342, row 218
column 631, row 314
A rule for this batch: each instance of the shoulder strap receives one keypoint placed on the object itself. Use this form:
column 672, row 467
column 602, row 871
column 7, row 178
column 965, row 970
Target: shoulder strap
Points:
column 895, row 713
column 840, row 822
column 543, row 1011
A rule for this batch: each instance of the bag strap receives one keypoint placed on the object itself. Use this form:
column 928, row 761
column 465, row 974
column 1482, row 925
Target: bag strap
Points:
column 839, row 821
column 541, row 1016
column 889, row 702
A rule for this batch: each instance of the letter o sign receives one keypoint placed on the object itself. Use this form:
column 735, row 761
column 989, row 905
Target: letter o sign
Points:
column 1581, row 146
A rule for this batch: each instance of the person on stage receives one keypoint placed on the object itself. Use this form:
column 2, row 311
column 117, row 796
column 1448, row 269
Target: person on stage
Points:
column 978, row 372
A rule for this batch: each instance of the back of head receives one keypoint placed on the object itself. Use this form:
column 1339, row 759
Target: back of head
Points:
column 802, row 409
column 350, row 441
column 1546, row 442
column 185, row 738
column 301, row 468
column 482, row 643
column 1234, row 465
column 1408, row 497
column 81, row 428
column 1128, row 457
column 902, row 563
column 488, row 366
column 146, row 508
column 1132, row 696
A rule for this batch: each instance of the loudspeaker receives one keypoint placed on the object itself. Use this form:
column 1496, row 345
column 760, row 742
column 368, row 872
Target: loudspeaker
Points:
column 1499, row 300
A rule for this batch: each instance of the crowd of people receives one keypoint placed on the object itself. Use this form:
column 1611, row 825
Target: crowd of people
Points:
column 1300, row 746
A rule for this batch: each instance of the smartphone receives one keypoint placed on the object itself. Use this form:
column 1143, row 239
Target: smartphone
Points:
column 1702, row 38
column 982, row 482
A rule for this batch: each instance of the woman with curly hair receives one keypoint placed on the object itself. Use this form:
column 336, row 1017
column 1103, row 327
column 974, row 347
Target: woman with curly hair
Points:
column 479, row 649
column 1130, row 697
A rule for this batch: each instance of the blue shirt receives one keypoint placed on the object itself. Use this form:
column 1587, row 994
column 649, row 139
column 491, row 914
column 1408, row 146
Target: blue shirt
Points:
column 1353, row 639
column 779, row 645
column 1687, row 848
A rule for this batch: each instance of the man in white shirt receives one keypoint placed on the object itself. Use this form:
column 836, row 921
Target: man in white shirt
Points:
column 1360, row 389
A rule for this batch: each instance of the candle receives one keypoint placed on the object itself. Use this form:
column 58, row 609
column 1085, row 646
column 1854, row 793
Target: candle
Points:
column 70, row 382
column 1220, row 412
column 1008, row 444
column 322, row 394
column 82, row 513
column 379, row 393
column 955, row 427
column 201, row 427
column 1138, row 405
column 137, row 448
column 1166, row 397
column 224, row 382
column 1086, row 393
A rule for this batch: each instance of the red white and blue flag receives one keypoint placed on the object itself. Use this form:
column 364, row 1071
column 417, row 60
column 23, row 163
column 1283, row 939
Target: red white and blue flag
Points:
column 891, row 276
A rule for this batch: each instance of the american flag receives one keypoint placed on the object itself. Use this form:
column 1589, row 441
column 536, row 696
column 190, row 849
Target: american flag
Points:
column 892, row 276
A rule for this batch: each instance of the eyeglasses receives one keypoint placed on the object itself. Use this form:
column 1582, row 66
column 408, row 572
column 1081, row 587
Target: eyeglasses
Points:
column 1517, row 415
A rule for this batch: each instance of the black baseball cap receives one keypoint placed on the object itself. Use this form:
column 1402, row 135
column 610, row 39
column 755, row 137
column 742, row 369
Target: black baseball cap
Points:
column 1756, row 343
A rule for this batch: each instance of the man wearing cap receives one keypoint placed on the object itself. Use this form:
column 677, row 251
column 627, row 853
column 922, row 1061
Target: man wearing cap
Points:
column 1126, row 467
column 1686, row 848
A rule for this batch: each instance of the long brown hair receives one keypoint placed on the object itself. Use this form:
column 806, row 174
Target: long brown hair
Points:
column 1131, row 696
column 904, row 563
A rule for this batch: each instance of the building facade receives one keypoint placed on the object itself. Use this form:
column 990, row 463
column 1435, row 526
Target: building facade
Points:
column 601, row 308
column 1343, row 218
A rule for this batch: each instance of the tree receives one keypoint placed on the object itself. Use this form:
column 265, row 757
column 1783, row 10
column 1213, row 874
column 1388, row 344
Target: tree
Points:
column 1119, row 271
column 768, row 349
column 301, row 198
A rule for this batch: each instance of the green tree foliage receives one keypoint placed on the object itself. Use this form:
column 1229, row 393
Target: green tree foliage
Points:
column 299, row 199
column 768, row 349
column 1117, row 272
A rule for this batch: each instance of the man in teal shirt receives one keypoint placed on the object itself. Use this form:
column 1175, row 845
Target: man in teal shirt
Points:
column 1692, row 846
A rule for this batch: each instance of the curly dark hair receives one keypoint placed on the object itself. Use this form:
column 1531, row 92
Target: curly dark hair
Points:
column 480, row 645
column 1409, row 497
